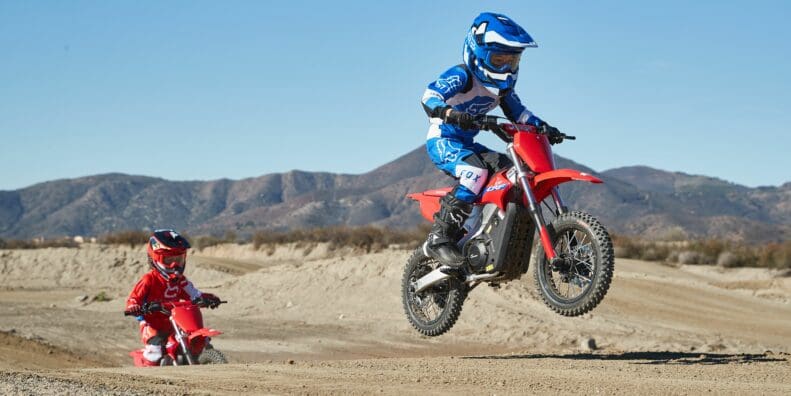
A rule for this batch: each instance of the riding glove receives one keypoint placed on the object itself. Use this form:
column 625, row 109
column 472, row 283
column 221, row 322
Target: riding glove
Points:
column 134, row 310
column 464, row 120
column 553, row 134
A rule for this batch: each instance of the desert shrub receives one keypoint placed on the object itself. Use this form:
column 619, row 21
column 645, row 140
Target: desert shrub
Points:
column 367, row 238
column 101, row 297
column 724, row 253
column 775, row 255
column 710, row 249
column 132, row 238
column 38, row 243
column 625, row 247
column 204, row 241
column 728, row 259
column 691, row 257
column 655, row 253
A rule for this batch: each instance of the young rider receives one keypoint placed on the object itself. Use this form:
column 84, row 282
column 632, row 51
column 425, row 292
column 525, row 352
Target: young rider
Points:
column 453, row 102
column 167, row 256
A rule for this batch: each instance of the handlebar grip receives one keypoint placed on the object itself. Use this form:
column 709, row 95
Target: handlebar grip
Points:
column 569, row 137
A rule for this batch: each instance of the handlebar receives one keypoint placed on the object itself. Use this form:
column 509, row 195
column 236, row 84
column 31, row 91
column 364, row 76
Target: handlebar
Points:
column 157, row 306
column 505, row 131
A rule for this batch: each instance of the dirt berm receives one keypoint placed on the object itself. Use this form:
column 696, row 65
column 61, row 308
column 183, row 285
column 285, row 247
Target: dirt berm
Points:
column 314, row 320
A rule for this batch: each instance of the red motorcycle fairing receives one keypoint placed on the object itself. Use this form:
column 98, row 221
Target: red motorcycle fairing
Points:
column 429, row 201
column 533, row 148
column 188, row 317
column 497, row 190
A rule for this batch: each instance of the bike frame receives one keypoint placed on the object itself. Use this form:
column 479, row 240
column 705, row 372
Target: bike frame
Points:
column 534, row 171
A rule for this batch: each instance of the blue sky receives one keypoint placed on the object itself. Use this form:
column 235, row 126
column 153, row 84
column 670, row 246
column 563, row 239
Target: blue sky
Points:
column 197, row 90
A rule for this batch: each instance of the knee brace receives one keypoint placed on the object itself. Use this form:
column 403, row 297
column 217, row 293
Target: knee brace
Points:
column 472, row 177
column 152, row 353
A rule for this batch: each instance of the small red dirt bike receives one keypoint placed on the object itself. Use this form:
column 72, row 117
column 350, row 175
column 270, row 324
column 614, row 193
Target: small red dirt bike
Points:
column 573, row 256
column 189, row 342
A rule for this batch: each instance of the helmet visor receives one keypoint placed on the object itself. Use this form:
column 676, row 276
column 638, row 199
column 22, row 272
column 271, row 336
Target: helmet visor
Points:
column 504, row 61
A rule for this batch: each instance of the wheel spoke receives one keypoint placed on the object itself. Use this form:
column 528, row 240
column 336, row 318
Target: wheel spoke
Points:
column 576, row 246
column 428, row 304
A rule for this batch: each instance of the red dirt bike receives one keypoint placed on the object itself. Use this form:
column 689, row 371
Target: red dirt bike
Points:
column 189, row 341
column 573, row 254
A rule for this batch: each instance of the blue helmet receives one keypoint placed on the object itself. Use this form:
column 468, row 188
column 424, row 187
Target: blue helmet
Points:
column 493, row 47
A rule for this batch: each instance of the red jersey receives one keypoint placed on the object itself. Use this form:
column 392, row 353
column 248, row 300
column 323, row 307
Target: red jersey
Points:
column 152, row 287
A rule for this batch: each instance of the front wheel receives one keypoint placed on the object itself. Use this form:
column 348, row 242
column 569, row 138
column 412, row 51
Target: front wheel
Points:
column 580, row 282
column 435, row 310
column 211, row 356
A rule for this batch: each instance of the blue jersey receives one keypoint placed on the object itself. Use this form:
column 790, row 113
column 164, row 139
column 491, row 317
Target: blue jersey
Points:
column 458, row 89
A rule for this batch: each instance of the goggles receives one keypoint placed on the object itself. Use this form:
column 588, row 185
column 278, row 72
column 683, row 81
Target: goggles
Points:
column 174, row 262
column 504, row 61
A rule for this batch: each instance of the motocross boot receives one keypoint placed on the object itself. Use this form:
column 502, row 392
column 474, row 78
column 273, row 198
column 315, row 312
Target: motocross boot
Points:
column 447, row 231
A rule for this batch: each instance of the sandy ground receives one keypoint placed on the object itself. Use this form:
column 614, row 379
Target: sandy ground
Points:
column 337, row 316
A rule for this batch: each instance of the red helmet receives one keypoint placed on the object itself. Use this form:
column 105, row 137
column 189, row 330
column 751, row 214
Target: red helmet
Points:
column 167, row 253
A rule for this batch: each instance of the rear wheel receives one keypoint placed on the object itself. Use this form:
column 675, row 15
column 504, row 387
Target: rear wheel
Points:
column 435, row 310
column 578, row 284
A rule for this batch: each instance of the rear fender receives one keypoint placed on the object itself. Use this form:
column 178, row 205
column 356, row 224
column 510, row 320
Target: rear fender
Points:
column 543, row 183
column 429, row 201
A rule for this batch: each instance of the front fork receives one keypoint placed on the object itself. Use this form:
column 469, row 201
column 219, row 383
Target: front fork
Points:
column 535, row 210
column 181, row 338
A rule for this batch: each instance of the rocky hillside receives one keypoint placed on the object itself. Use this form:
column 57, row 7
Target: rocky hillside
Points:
column 633, row 200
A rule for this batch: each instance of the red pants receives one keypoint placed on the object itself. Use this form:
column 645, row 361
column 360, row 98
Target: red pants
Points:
column 155, row 341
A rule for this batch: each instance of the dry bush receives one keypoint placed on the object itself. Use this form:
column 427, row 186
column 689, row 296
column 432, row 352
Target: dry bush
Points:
column 627, row 247
column 728, row 259
column 38, row 243
column 367, row 238
column 691, row 257
column 710, row 251
column 132, row 238
column 775, row 255
column 204, row 241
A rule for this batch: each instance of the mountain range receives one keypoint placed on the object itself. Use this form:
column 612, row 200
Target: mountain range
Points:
column 636, row 200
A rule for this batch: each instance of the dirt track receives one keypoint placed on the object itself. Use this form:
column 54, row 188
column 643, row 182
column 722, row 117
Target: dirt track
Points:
column 338, row 316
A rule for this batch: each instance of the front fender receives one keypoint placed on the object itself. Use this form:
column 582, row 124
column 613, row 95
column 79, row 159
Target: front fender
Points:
column 543, row 183
column 203, row 333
